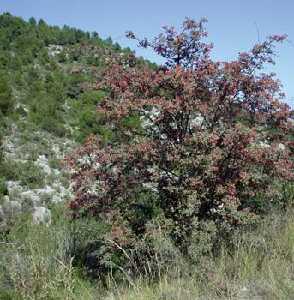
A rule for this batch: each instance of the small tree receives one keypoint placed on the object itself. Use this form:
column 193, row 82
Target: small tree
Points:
column 200, row 140
column 6, row 99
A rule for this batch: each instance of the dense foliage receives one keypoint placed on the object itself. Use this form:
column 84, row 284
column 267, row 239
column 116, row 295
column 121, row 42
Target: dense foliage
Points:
column 47, row 69
column 47, row 77
column 197, row 142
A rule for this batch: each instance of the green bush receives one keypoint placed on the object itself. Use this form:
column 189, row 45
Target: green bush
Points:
column 84, row 118
column 26, row 172
column 6, row 99
column 3, row 187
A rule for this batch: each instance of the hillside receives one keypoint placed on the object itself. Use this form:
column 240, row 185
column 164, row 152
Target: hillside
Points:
column 47, row 101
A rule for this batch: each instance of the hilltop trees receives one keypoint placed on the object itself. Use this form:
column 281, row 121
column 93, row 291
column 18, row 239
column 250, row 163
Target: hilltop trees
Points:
column 194, row 142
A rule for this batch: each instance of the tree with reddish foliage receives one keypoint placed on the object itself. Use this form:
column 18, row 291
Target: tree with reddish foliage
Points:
column 197, row 140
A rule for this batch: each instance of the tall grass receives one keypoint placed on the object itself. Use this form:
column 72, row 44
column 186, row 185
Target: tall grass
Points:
column 36, row 263
column 260, row 267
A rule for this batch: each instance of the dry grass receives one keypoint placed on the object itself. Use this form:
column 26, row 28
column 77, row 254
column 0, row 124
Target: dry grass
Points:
column 35, row 265
column 260, row 268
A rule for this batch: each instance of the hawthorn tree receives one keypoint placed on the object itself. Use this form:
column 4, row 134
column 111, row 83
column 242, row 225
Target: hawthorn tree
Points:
column 196, row 140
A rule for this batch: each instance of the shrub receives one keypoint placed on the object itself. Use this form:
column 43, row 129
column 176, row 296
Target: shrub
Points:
column 204, row 152
column 3, row 187
column 84, row 117
column 6, row 98
column 26, row 172
column 46, row 113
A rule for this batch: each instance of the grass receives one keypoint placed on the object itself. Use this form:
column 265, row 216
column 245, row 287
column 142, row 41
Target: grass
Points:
column 36, row 263
column 261, row 267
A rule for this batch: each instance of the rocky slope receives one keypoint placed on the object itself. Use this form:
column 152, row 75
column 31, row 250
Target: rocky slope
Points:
column 43, row 182
column 48, row 97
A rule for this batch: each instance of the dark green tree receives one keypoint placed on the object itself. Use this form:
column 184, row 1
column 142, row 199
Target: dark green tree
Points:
column 6, row 99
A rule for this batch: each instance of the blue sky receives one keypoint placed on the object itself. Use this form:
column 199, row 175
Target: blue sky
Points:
column 233, row 26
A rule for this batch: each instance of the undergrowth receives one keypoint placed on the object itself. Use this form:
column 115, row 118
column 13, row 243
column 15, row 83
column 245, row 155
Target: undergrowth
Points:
column 38, row 262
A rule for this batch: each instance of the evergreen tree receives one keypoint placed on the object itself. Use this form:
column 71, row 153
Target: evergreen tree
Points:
column 6, row 99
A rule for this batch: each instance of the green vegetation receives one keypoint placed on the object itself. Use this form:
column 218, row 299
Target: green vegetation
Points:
column 47, row 84
column 25, row 172
column 47, row 70
column 37, row 262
